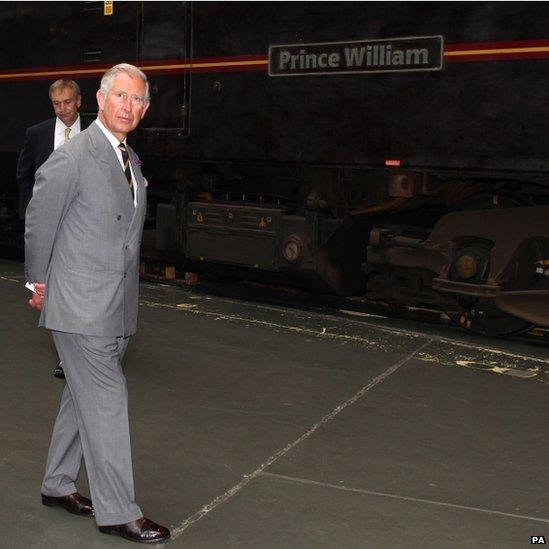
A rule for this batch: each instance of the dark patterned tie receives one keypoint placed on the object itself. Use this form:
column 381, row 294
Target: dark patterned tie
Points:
column 126, row 161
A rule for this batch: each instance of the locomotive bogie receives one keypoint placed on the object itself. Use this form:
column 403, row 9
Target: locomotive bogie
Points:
column 392, row 149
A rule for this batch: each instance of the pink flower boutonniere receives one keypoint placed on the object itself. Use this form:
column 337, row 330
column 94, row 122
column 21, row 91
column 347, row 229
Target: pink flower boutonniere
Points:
column 138, row 162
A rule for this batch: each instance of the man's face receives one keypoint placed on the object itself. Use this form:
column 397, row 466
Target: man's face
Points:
column 66, row 103
column 124, row 105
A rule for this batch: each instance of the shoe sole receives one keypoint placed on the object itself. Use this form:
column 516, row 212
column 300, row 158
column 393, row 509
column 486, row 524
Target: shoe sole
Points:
column 104, row 530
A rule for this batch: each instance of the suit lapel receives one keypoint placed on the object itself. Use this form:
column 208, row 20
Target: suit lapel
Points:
column 51, row 131
column 141, row 191
column 47, row 140
column 110, row 165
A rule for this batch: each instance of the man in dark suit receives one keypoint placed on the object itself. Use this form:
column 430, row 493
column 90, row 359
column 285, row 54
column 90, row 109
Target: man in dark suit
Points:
column 82, row 239
column 42, row 139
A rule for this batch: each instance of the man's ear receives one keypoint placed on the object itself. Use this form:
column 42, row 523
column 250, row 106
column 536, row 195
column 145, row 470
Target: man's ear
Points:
column 145, row 109
column 78, row 101
column 100, row 99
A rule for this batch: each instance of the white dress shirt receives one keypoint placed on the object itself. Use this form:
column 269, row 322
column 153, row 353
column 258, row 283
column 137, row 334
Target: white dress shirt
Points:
column 114, row 142
column 60, row 128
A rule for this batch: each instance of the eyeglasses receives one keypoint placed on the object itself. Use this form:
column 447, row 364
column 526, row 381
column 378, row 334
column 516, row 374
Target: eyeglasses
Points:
column 122, row 97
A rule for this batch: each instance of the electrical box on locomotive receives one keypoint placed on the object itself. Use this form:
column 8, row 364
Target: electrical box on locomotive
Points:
column 395, row 149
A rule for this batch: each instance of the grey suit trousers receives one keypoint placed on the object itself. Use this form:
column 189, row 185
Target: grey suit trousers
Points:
column 93, row 423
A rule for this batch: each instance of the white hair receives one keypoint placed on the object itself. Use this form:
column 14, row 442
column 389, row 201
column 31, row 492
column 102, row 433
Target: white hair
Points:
column 126, row 68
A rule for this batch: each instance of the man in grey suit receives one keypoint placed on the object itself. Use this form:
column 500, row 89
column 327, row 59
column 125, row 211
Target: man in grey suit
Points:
column 82, row 239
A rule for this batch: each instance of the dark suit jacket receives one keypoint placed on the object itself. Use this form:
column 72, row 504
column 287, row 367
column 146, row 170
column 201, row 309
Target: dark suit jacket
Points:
column 37, row 147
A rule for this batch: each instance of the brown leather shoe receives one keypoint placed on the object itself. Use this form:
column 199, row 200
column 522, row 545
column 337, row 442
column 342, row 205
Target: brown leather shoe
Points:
column 141, row 530
column 73, row 503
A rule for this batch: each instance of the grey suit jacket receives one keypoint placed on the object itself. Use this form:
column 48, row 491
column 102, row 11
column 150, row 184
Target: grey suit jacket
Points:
column 82, row 238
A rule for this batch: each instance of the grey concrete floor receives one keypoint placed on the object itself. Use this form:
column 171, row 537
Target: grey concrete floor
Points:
column 258, row 426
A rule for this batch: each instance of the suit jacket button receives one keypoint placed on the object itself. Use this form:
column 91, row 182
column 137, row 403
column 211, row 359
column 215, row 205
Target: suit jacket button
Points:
column 119, row 217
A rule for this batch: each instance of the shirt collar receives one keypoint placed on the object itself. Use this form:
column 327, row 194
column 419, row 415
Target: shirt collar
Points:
column 61, row 127
column 112, row 139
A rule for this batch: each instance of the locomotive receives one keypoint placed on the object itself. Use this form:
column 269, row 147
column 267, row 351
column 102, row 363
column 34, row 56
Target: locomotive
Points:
column 395, row 150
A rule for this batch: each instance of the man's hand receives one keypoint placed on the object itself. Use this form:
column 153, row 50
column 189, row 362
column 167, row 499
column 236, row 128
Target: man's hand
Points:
column 37, row 299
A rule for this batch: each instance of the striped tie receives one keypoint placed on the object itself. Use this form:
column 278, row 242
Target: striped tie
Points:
column 126, row 161
column 67, row 134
